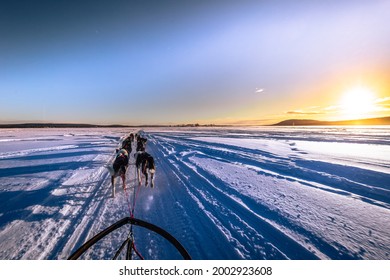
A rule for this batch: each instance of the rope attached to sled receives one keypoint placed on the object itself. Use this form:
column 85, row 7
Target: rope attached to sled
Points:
column 130, row 246
column 130, row 239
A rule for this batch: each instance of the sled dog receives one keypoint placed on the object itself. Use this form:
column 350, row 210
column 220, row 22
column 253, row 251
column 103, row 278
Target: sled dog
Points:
column 118, row 168
column 145, row 166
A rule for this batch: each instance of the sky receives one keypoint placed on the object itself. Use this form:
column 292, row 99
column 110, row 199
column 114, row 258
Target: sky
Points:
column 175, row 62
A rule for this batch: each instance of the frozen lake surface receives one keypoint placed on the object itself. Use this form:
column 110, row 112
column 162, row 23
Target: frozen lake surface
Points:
column 224, row 193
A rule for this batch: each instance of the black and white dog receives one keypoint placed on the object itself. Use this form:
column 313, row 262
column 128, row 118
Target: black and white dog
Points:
column 141, row 144
column 118, row 168
column 144, row 164
column 127, row 144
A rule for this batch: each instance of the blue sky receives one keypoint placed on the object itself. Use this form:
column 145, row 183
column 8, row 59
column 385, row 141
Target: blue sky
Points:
column 168, row 62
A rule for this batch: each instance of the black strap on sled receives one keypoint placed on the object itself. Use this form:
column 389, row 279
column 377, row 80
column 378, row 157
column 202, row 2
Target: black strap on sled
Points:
column 129, row 241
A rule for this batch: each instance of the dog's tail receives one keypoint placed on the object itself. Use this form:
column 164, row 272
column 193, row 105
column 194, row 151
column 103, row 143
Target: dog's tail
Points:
column 110, row 169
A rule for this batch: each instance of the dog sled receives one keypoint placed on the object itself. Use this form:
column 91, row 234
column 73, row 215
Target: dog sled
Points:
column 128, row 245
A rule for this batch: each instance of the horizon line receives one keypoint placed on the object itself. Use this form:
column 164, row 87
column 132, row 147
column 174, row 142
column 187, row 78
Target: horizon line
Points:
column 72, row 124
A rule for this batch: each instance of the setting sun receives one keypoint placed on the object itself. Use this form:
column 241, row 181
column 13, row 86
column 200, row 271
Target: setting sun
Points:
column 357, row 102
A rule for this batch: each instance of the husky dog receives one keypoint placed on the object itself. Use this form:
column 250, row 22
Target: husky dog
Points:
column 131, row 136
column 127, row 144
column 144, row 164
column 118, row 168
column 141, row 144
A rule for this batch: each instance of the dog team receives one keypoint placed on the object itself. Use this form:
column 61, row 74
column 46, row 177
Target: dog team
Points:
column 144, row 162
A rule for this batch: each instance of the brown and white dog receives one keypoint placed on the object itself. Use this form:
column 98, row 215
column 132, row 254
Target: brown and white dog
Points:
column 118, row 168
column 145, row 166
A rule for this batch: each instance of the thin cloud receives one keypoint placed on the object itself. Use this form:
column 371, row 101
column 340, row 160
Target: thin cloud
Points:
column 259, row 90
column 254, row 122
column 299, row 112
column 382, row 104
column 331, row 108
column 382, row 100
column 316, row 110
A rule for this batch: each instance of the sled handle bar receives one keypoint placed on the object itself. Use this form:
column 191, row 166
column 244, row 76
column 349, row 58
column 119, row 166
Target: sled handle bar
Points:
column 136, row 222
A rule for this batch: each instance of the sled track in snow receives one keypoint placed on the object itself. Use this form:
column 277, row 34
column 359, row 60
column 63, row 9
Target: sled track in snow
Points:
column 85, row 218
column 211, row 196
column 79, row 229
column 269, row 232
column 274, row 165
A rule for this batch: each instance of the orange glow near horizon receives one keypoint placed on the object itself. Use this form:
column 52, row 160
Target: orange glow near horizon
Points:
column 357, row 102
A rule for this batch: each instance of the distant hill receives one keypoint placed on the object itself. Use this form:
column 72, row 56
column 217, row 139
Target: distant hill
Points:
column 303, row 122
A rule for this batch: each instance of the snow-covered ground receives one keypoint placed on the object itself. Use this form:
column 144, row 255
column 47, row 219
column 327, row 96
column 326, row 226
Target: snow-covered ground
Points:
column 224, row 193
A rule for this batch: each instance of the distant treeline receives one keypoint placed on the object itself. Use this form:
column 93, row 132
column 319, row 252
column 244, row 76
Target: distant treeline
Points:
column 76, row 125
column 195, row 125
column 55, row 125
